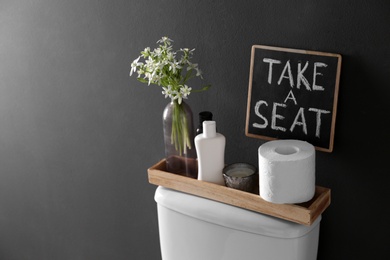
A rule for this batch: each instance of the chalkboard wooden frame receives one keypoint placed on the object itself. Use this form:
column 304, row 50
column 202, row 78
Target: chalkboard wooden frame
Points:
column 266, row 60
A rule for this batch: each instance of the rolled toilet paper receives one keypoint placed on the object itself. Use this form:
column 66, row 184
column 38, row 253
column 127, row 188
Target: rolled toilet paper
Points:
column 287, row 171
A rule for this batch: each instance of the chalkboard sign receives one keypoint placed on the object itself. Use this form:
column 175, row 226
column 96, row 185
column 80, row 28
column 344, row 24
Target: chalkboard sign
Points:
column 293, row 95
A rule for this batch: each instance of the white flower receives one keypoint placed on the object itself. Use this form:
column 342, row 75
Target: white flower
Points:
column 165, row 40
column 192, row 66
column 146, row 52
column 140, row 72
column 170, row 56
column 160, row 67
column 199, row 73
column 174, row 66
column 149, row 62
column 185, row 91
column 148, row 76
column 179, row 97
column 167, row 91
column 157, row 52
column 134, row 65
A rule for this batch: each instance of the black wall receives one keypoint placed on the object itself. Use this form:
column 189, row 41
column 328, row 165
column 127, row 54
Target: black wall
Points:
column 77, row 134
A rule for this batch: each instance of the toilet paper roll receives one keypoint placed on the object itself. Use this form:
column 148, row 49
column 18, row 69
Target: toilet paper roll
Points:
column 287, row 171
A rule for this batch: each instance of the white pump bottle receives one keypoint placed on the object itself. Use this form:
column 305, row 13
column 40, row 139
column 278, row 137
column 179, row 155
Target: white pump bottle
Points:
column 210, row 149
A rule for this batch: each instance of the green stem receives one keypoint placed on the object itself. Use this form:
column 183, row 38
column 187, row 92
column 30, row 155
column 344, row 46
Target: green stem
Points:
column 180, row 134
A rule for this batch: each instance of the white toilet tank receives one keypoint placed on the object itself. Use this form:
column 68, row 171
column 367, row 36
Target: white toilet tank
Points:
column 194, row 228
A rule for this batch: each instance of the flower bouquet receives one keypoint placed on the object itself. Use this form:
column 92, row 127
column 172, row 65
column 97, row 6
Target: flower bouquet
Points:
column 171, row 70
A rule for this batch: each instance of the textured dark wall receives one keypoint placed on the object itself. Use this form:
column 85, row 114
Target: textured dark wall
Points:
column 77, row 134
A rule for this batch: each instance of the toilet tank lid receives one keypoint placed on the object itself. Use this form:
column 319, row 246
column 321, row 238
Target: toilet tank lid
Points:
column 230, row 216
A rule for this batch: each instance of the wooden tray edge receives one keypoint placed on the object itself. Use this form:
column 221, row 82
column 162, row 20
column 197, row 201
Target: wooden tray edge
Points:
column 304, row 213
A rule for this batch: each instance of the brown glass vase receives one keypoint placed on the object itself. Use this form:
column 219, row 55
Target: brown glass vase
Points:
column 180, row 150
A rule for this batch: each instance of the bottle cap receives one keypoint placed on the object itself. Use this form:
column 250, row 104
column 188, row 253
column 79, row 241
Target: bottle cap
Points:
column 205, row 116
column 209, row 129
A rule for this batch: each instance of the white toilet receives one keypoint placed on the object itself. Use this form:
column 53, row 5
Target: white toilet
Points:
column 194, row 228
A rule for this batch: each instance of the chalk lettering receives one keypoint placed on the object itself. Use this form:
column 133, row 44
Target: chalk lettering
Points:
column 318, row 119
column 315, row 73
column 301, row 123
column 276, row 116
column 291, row 96
column 299, row 120
column 301, row 78
column 257, row 112
column 270, row 61
column 287, row 68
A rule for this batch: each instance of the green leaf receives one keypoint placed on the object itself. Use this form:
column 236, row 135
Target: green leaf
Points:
column 143, row 80
column 202, row 89
column 187, row 76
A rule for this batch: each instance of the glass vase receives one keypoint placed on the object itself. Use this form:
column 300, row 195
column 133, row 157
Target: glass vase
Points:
column 180, row 150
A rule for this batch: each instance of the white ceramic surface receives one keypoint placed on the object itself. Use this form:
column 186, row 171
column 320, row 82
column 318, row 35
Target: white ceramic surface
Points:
column 194, row 228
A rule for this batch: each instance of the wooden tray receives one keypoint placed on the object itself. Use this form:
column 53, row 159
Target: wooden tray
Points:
column 304, row 213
